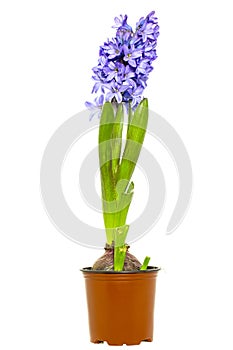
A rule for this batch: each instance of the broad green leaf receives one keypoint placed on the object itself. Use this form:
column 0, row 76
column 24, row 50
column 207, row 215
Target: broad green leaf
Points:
column 105, row 134
column 123, row 204
column 135, row 137
column 117, row 138
column 105, row 156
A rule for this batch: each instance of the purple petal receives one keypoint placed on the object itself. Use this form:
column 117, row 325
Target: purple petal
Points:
column 111, row 76
column 118, row 96
column 111, row 65
column 101, row 100
column 89, row 105
column 132, row 62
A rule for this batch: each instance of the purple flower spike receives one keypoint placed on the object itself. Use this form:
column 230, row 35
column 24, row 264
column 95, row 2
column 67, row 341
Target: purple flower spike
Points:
column 125, row 62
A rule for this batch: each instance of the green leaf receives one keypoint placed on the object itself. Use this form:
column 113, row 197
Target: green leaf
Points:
column 105, row 161
column 117, row 138
column 123, row 203
column 135, row 137
column 145, row 263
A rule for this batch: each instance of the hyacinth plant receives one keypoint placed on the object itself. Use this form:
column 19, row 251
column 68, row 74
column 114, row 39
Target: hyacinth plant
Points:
column 120, row 78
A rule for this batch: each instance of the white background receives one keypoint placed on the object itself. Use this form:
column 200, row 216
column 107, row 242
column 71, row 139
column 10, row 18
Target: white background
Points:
column 47, row 51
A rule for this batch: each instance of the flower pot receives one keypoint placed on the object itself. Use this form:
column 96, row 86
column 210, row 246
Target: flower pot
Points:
column 121, row 305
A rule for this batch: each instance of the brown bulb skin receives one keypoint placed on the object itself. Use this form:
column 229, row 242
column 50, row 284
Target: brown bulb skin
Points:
column 106, row 261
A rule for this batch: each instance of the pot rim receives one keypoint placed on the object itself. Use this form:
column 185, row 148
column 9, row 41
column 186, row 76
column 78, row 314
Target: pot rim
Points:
column 148, row 270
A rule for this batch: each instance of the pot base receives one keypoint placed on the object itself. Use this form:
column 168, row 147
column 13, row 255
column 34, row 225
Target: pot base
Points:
column 149, row 340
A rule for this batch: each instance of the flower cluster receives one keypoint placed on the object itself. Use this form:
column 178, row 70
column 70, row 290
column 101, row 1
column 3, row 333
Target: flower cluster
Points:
column 125, row 62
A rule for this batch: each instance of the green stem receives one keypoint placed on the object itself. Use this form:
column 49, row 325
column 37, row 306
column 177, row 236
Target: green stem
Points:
column 120, row 248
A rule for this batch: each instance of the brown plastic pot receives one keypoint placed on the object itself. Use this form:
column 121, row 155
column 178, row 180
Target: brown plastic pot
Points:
column 121, row 305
